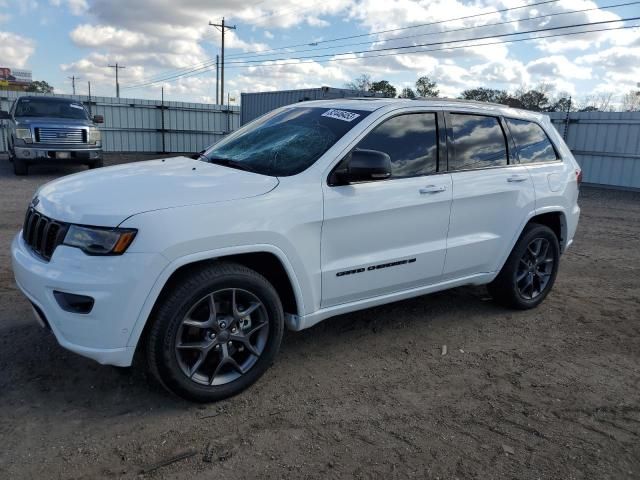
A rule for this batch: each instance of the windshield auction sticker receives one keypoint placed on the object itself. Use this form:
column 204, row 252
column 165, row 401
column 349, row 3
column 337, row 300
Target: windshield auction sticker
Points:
column 341, row 115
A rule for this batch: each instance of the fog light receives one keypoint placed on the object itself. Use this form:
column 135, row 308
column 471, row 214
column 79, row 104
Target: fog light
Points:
column 70, row 302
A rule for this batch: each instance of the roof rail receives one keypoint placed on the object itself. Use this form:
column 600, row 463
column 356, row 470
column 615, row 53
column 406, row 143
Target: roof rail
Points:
column 462, row 100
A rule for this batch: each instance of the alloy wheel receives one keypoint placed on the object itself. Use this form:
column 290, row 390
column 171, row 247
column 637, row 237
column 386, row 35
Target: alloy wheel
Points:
column 222, row 336
column 535, row 268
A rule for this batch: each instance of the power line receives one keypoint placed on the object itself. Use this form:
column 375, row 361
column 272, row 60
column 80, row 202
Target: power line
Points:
column 526, row 19
column 209, row 62
column 407, row 27
column 499, row 42
column 402, row 47
column 197, row 71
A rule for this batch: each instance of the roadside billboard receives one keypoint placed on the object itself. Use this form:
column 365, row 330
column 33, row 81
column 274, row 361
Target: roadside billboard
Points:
column 17, row 76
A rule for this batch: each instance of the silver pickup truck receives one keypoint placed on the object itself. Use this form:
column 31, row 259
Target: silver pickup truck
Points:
column 52, row 130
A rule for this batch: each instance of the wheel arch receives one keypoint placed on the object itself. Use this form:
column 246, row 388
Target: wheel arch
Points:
column 267, row 260
column 556, row 221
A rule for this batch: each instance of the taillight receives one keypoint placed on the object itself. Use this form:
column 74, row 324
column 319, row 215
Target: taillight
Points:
column 579, row 176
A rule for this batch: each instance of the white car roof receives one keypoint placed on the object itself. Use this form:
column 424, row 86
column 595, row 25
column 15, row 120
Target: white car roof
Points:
column 371, row 104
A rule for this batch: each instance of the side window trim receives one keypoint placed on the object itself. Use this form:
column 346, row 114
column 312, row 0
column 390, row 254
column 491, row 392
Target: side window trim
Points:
column 442, row 165
column 553, row 145
column 505, row 133
column 441, row 156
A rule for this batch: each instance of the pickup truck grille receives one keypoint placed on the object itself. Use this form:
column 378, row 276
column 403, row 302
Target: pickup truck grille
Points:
column 43, row 234
column 61, row 136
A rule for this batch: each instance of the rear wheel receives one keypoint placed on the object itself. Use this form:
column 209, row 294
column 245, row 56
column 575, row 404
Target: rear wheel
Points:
column 530, row 271
column 216, row 333
column 20, row 167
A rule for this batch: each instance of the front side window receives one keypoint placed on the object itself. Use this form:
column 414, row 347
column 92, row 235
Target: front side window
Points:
column 48, row 107
column 411, row 140
column 286, row 141
column 532, row 144
column 478, row 142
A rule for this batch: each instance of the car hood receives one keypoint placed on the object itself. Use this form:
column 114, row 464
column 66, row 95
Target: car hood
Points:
column 107, row 196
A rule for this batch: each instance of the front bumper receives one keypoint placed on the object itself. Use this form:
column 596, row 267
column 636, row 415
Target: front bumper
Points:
column 49, row 153
column 119, row 284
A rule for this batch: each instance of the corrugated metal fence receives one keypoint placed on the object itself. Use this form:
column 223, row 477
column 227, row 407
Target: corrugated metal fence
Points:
column 253, row 105
column 606, row 145
column 136, row 125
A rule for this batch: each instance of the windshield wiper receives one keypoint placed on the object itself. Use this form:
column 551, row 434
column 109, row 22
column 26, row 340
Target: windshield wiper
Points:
column 227, row 162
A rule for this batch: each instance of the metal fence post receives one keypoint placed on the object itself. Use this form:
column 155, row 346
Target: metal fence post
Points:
column 164, row 150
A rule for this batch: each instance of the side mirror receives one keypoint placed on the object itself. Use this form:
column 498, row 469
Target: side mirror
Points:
column 367, row 166
column 98, row 119
column 4, row 115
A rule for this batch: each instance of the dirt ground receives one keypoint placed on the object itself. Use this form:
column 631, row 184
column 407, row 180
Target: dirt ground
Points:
column 552, row 393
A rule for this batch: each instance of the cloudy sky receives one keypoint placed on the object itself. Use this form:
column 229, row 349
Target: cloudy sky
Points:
column 160, row 39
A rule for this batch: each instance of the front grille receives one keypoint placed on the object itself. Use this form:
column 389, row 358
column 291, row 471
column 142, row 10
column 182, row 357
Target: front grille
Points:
column 61, row 136
column 42, row 234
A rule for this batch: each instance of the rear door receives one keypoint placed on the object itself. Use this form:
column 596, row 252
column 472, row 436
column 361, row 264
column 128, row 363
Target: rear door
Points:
column 492, row 194
column 389, row 235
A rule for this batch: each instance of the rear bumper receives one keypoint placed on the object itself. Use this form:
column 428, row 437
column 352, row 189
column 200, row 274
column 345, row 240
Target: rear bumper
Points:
column 48, row 153
column 119, row 285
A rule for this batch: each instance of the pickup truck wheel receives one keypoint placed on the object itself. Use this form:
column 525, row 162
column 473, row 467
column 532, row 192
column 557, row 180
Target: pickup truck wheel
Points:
column 20, row 167
column 96, row 164
column 216, row 333
column 530, row 271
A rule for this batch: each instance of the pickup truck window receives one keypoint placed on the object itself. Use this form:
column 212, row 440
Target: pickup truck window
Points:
column 50, row 107
column 411, row 140
column 532, row 144
column 478, row 142
column 284, row 142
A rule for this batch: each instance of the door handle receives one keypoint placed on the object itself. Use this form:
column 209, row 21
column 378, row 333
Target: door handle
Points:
column 516, row 178
column 433, row 189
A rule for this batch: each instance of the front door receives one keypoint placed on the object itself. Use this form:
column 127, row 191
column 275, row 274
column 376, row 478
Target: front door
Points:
column 390, row 235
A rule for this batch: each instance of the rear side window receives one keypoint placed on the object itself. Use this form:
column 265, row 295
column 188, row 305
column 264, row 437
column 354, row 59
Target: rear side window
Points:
column 411, row 140
column 478, row 142
column 532, row 143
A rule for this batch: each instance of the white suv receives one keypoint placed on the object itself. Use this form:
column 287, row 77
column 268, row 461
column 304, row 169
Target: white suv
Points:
column 311, row 211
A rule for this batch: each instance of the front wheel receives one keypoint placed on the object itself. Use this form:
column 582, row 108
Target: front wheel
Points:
column 20, row 167
column 216, row 333
column 530, row 271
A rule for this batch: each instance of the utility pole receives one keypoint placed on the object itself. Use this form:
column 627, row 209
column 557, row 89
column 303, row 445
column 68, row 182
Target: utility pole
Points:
column 117, row 67
column 223, row 28
column 217, row 78
column 73, row 79
column 566, row 121
column 90, row 109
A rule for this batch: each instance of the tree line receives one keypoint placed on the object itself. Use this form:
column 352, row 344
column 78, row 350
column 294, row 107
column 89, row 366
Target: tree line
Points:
column 539, row 99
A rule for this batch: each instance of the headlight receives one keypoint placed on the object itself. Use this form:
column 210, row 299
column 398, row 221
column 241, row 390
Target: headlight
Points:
column 23, row 133
column 94, row 135
column 100, row 241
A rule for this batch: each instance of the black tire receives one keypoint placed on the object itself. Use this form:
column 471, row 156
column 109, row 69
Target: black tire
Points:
column 167, row 329
column 96, row 164
column 20, row 167
column 507, row 290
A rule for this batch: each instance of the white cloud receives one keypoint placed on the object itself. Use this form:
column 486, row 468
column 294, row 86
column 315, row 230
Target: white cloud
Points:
column 557, row 66
column 76, row 7
column 15, row 49
column 619, row 66
column 108, row 37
